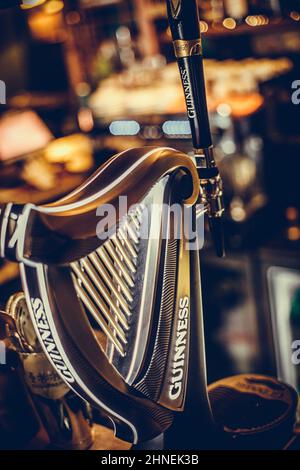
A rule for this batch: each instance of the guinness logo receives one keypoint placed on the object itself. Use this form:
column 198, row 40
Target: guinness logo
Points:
column 188, row 93
column 179, row 358
column 48, row 340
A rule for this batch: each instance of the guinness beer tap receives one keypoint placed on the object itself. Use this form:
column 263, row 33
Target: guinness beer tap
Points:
column 185, row 27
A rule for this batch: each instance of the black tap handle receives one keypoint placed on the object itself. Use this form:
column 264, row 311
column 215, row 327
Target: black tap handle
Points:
column 217, row 233
column 184, row 19
column 185, row 27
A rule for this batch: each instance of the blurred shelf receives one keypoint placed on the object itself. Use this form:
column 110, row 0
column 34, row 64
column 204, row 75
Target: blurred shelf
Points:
column 273, row 25
column 37, row 100
column 219, row 30
column 25, row 194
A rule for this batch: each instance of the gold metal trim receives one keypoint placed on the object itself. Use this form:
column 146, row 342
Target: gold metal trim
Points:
column 190, row 48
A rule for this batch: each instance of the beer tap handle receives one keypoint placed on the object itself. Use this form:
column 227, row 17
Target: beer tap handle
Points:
column 185, row 28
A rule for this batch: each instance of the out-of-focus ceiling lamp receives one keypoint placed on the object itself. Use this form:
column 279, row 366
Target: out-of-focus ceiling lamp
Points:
column 53, row 6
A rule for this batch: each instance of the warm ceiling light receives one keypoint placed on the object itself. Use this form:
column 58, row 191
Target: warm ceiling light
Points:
column 252, row 20
column 54, row 6
column 262, row 20
column 229, row 23
column 295, row 15
column 292, row 214
column 203, row 27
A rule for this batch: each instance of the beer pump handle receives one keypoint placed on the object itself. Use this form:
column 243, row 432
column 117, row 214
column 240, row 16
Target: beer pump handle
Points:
column 184, row 23
column 185, row 28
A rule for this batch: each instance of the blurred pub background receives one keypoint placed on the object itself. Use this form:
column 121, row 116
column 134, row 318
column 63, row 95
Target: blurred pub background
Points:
column 88, row 78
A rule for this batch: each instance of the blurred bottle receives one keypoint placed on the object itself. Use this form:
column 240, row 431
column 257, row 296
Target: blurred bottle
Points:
column 264, row 7
column 237, row 9
column 217, row 10
column 126, row 47
column 66, row 417
column 212, row 10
